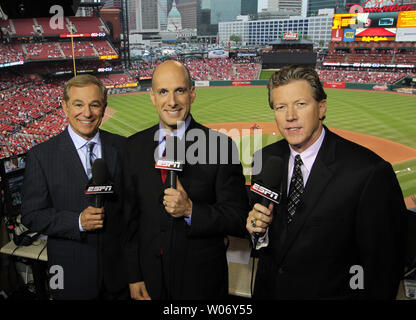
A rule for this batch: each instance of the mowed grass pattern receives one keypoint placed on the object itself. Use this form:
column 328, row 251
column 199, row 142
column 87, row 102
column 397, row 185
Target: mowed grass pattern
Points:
column 385, row 115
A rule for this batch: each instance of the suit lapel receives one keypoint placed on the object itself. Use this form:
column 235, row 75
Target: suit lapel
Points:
column 149, row 151
column 109, row 152
column 186, row 183
column 319, row 178
column 71, row 157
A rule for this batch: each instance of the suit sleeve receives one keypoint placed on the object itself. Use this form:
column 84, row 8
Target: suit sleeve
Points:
column 379, row 231
column 38, row 213
column 132, row 216
column 228, row 214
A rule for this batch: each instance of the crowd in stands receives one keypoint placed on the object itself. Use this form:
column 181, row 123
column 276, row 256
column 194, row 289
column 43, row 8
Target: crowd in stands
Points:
column 53, row 50
column 368, row 56
column 340, row 75
column 9, row 80
column 30, row 113
column 30, row 110
column 11, row 53
column 115, row 79
column 207, row 69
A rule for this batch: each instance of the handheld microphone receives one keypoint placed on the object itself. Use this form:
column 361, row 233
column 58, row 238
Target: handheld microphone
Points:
column 170, row 163
column 272, row 176
column 99, row 184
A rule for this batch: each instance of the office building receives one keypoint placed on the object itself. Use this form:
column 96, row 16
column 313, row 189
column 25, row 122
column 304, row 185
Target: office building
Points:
column 249, row 7
column 263, row 32
column 189, row 11
column 163, row 14
column 146, row 16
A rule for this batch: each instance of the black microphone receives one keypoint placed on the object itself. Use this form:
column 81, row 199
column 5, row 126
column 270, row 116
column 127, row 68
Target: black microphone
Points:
column 99, row 184
column 171, row 150
column 171, row 163
column 270, row 191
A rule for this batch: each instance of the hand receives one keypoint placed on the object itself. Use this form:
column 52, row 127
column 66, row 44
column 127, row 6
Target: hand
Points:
column 261, row 216
column 92, row 218
column 176, row 201
column 138, row 291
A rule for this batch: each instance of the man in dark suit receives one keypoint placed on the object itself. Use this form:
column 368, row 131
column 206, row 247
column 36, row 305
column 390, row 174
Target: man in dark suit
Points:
column 337, row 231
column 176, row 236
column 85, row 241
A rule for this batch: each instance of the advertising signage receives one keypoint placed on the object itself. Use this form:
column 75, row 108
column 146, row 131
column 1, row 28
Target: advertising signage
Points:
column 365, row 20
column 374, row 26
column 407, row 19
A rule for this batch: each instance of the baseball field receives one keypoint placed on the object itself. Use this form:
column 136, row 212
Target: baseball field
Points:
column 383, row 122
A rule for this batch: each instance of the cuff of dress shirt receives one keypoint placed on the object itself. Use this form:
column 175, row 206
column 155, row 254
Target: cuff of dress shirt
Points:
column 79, row 223
column 188, row 219
column 262, row 242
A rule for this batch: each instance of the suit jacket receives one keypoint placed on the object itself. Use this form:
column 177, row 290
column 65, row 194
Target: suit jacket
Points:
column 175, row 260
column 351, row 214
column 53, row 198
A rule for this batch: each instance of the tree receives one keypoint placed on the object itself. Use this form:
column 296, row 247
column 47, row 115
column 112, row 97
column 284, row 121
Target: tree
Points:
column 235, row 38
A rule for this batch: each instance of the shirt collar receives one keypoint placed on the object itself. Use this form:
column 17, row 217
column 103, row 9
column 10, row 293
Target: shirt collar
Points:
column 79, row 141
column 309, row 155
column 180, row 132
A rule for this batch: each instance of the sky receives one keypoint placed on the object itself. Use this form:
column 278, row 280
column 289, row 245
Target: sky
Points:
column 262, row 4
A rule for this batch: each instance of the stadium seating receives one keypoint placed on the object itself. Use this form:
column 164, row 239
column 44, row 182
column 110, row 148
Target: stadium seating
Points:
column 208, row 69
column 41, row 26
column 11, row 53
column 54, row 50
column 114, row 79
column 339, row 75
column 87, row 25
column 43, row 51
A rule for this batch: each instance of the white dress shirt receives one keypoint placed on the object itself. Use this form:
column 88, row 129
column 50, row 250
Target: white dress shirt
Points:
column 180, row 132
column 308, row 157
column 79, row 143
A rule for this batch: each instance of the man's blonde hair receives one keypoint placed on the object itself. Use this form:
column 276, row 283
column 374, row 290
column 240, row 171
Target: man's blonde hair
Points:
column 83, row 81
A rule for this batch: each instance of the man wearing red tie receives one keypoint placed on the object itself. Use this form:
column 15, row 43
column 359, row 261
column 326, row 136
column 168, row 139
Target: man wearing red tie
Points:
column 175, row 239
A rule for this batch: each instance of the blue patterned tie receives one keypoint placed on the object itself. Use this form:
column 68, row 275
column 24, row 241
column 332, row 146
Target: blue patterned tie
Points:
column 90, row 157
column 296, row 188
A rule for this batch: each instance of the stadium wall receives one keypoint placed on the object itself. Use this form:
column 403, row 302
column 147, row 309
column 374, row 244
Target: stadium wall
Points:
column 346, row 85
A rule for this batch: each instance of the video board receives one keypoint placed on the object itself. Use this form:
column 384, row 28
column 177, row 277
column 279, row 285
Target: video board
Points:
column 374, row 26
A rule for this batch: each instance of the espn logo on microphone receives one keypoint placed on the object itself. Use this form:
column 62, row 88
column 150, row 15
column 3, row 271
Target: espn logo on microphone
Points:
column 169, row 165
column 99, row 189
column 266, row 193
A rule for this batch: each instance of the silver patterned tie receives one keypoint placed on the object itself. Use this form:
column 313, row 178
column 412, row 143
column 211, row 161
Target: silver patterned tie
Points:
column 296, row 189
column 90, row 157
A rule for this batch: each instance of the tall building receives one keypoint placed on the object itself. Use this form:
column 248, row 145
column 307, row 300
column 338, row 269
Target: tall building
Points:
column 189, row 11
column 249, row 7
column 289, row 7
column 204, row 17
column 211, row 12
column 111, row 4
column 224, row 10
column 163, row 14
column 338, row 5
column 272, row 5
column 146, row 16
column 263, row 32
column 131, row 14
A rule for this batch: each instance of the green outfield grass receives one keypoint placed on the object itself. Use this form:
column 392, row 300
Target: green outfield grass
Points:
column 385, row 115
column 266, row 74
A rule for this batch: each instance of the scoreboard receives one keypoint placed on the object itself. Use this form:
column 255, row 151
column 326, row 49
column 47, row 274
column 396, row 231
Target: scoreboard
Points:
column 374, row 26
